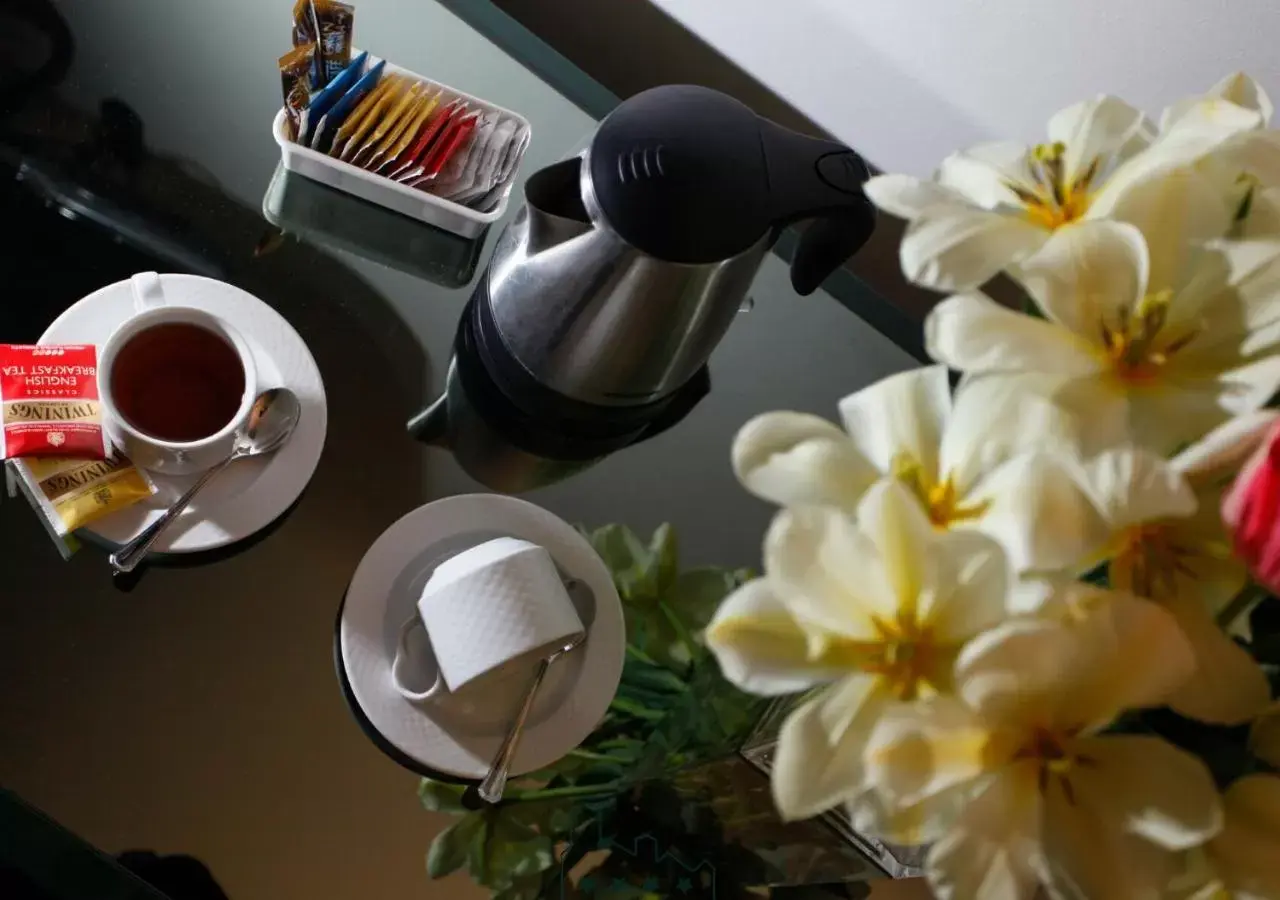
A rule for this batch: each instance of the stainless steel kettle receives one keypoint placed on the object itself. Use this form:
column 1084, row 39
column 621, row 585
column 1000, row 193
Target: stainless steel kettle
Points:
column 605, row 296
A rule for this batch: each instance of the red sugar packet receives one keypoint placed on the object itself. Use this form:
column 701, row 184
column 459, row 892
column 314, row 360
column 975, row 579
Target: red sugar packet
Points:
column 49, row 402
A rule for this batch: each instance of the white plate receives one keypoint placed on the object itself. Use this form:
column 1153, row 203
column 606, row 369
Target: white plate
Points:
column 459, row 733
column 253, row 493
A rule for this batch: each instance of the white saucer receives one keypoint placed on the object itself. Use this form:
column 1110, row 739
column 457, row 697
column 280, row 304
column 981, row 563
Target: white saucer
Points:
column 459, row 733
column 254, row 492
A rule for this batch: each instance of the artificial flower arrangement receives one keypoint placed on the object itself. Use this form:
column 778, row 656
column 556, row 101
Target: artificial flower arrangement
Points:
column 983, row 588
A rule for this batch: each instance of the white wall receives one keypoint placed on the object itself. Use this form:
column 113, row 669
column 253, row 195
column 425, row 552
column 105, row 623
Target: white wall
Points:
column 908, row 81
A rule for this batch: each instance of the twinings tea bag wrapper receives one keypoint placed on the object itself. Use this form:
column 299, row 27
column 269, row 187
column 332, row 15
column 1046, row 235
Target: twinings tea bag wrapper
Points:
column 71, row 493
column 295, row 80
column 324, row 101
column 448, row 145
column 327, row 127
column 352, row 133
column 49, row 401
column 436, row 125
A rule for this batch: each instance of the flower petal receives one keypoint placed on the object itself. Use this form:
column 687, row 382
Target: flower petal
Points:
column 972, row 591
column 1040, row 513
column 1087, row 274
column 1173, row 205
column 958, row 248
column 794, row 459
column 994, row 848
column 1150, row 788
column 760, row 647
column 908, row 197
column 828, row 573
column 1131, row 486
column 982, row 173
column 1247, row 852
column 923, row 749
column 1264, row 737
column 995, row 419
column 813, row 770
column 901, row 531
column 909, row 826
column 1228, row 687
column 1097, row 130
column 1224, row 450
column 973, row 333
column 902, row 414
column 1089, row 856
column 1167, row 415
column 1118, row 652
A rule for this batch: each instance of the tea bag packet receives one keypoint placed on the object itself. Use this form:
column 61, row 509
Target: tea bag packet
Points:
column 435, row 127
column 387, row 125
column 456, row 167
column 447, row 146
column 482, row 166
column 327, row 127
column 324, row 101
column 415, row 123
column 49, row 401
column 352, row 133
column 70, row 493
column 295, row 82
column 511, row 159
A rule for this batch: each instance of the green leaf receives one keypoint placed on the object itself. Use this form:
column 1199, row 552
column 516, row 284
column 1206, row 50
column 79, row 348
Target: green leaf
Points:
column 440, row 797
column 632, row 564
column 451, row 847
column 697, row 595
column 665, row 556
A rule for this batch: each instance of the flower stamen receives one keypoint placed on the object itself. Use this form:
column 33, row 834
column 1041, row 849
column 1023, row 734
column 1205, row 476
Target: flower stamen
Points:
column 1051, row 200
column 1137, row 345
column 941, row 499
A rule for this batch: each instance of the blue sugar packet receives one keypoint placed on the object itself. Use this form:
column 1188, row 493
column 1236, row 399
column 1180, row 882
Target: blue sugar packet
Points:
column 326, row 126
column 324, row 100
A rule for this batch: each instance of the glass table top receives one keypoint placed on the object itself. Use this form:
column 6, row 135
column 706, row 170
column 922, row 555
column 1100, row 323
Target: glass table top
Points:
column 195, row 708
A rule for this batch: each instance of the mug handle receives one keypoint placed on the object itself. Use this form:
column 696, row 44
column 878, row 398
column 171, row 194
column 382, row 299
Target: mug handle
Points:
column 400, row 665
column 147, row 292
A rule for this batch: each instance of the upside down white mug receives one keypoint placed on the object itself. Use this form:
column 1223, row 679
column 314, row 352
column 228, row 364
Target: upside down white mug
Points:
column 497, row 603
column 153, row 308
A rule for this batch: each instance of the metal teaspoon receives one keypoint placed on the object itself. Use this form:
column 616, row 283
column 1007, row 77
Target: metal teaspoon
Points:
column 495, row 780
column 272, row 419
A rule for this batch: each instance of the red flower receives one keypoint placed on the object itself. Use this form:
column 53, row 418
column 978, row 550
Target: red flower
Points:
column 1251, row 512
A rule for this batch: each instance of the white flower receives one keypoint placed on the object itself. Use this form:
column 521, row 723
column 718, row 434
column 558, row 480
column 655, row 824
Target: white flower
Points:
column 1041, row 795
column 876, row 610
column 1155, row 367
column 997, row 204
column 962, row 459
column 1243, row 861
column 1168, row 544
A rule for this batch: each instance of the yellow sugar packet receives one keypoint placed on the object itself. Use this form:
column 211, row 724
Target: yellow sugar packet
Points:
column 388, row 122
column 71, row 493
column 365, row 116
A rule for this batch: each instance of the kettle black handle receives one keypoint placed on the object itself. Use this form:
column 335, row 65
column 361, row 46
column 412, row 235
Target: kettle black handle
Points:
column 814, row 178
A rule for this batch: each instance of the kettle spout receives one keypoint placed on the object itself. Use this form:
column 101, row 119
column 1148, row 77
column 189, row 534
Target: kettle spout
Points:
column 431, row 426
column 553, row 199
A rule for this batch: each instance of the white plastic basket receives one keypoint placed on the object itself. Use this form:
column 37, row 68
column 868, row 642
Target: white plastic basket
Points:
column 378, row 189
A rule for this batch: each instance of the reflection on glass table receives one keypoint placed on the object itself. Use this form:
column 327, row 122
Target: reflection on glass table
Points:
column 332, row 218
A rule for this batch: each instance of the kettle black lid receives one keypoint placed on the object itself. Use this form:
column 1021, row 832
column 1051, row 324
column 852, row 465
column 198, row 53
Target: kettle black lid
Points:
column 690, row 175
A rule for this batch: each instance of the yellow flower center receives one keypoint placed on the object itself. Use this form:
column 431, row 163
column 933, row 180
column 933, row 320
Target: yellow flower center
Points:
column 1053, row 751
column 1147, row 559
column 909, row 658
column 1138, row 345
column 1050, row 198
column 941, row 499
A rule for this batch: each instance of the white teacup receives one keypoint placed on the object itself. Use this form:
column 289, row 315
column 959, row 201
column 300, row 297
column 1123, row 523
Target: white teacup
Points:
column 171, row 457
column 502, row 602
